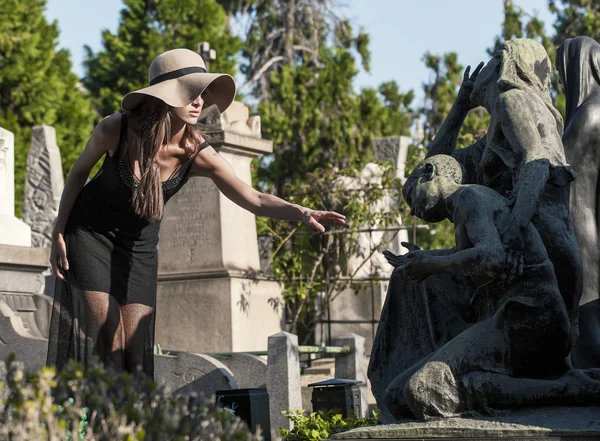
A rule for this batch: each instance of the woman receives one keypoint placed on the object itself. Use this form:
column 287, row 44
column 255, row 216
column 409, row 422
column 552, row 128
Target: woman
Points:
column 522, row 158
column 104, row 251
column 578, row 62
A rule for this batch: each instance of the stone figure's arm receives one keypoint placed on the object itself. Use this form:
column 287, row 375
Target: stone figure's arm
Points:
column 487, row 256
column 520, row 127
column 445, row 140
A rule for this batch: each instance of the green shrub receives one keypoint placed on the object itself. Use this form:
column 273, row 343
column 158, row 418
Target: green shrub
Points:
column 102, row 405
column 319, row 426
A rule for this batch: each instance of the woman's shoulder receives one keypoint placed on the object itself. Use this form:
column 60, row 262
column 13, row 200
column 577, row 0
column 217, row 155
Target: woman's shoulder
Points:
column 110, row 126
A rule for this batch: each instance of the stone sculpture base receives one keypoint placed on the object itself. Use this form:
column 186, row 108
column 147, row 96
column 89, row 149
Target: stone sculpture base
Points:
column 556, row 423
column 219, row 312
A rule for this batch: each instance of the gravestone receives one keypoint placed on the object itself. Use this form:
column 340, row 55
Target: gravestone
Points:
column 353, row 366
column 283, row 378
column 43, row 185
column 210, row 296
column 187, row 373
column 250, row 371
column 13, row 231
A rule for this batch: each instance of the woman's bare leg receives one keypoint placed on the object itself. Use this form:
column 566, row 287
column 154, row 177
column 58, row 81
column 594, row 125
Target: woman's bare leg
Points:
column 103, row 326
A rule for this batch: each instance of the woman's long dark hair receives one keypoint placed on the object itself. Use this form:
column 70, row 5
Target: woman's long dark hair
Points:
column 153, row 130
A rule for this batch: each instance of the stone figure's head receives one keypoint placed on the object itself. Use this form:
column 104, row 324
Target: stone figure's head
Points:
column 430, row 183
column 516, row 64
column 578, row 64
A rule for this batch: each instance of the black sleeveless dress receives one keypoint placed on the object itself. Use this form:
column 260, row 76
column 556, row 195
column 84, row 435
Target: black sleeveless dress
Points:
column 110, row 249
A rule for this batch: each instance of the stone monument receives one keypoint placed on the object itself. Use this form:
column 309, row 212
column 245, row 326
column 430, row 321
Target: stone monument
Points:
column 491, row 321
column 13, row 231
column 210, row 294
column 43, row 185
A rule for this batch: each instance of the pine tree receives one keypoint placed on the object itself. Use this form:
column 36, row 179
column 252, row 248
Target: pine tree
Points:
column 146, row 29
column 38, row 87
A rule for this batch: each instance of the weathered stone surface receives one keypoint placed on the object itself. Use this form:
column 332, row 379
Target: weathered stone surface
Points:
column 250, row 371
column 353, row 366
column 578, row 63
column 516, row 265
column 394, row 148
column 43, row 185
column 185, row 373
column 552, row 423
column 25, row 282
column 13, row 231
column 15, row 338
column 283, row 378
column 216, row 312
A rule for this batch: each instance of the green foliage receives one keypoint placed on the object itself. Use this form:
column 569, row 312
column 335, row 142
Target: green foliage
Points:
column 146, row 29
column 574, row 18
column 318, row 426
column 316, row 267
column 38, row 87
column 96, row 405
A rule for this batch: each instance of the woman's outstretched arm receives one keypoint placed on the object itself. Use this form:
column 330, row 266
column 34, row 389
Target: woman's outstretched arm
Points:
column 210, row 164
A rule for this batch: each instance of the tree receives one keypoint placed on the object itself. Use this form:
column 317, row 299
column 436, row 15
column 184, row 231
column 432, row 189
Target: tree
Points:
column 575, row 17
column 146, row 29
column 38, row 87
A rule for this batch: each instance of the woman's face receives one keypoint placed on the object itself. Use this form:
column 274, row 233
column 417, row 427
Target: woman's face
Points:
column 488, row 76
column 189, row 114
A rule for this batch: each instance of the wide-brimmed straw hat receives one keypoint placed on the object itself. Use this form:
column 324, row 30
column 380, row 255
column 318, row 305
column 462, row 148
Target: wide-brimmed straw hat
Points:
column 178, row 77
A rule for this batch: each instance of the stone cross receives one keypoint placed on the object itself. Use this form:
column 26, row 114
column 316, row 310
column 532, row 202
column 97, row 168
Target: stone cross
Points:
column 206, row 53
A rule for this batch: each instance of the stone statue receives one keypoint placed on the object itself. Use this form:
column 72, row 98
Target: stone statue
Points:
column 521, row 160
column 578, row 62
column 516, row 354
column 521, row 157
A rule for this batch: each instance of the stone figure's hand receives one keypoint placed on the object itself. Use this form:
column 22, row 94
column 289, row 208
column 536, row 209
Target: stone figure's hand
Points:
column 400, row 259
column 416, row 266
column 58, row 256
column 393, row 259
column 317, row 219
column 514, row 241
column 464, row 93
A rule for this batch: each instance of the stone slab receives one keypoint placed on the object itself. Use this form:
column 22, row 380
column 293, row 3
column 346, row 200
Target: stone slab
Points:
column 186, row 373
column 250, row 371
column 531, row 424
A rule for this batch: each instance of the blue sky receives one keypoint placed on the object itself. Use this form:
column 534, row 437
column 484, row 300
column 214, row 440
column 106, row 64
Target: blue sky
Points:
column 401, row 31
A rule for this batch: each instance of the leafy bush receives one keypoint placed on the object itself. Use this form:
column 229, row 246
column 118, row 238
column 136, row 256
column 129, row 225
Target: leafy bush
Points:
column 319, row 426
column 102, row 405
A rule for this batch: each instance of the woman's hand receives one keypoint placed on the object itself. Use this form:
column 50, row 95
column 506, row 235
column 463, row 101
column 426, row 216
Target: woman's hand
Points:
column 58, row 256
column 464, row 93
column 317, row 219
